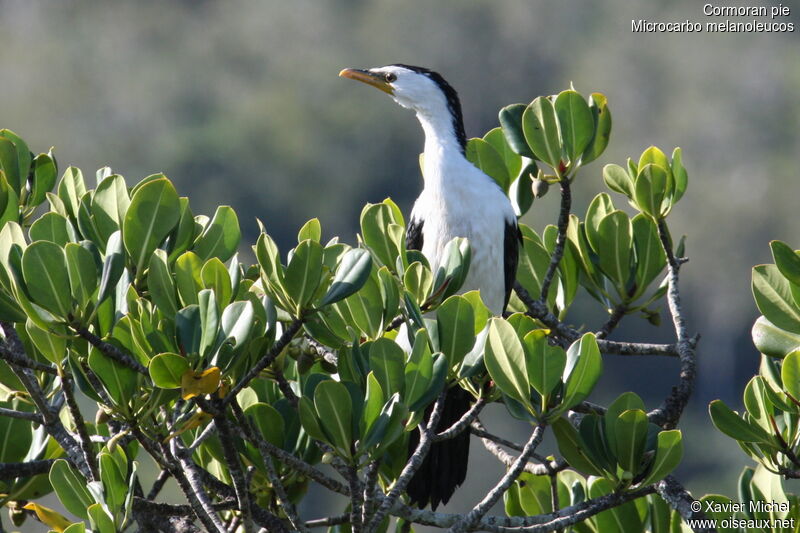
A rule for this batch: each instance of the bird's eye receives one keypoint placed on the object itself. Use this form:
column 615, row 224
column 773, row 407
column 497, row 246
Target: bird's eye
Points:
column 390, row 77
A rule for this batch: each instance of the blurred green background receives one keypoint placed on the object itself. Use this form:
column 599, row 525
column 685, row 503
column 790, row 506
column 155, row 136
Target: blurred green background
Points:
column 239, row 103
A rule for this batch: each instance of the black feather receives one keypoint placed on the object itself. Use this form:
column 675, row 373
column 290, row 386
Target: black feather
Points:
column 445, row 466
column 511, row 244
column 414, row 235
column 453, row 102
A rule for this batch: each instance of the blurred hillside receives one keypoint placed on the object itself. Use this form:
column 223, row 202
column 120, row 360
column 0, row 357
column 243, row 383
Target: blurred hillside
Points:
column 239, row 103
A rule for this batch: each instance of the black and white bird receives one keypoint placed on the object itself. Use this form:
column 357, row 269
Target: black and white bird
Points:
column 457, row 200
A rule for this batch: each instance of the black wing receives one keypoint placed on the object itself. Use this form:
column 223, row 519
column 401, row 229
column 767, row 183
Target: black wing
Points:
column 414, row 235
column 511, row 244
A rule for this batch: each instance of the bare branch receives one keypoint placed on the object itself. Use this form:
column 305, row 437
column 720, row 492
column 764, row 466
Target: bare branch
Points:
column 677, row 497
column 266, row 360
column 83, row 434
column 414, row 462
column 329, row 521
column 189, row 480
column 462, row 423
column 27, row 469
column 111, row 351
column 613, row 321
column 235, row 471
column 22, row 415
column 477, row 512
column 561, row 239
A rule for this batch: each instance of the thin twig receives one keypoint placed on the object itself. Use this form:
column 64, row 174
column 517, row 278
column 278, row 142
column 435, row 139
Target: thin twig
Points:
column 425, row 440
column 27, row 469
column 111, row 351
column 235, row 471
column 22, row 415
column 83, row 434
column 158, row 484
column 189, row 481
column 370, row 483
column 356, row 500
column 329, row 521
column 669, row 412
column 561, row 239
column 482, row 507
column 613, row 321
column 677, row 497
column 266, row 360
column 462, row 423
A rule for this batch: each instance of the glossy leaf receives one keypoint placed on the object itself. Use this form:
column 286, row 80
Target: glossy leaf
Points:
column 584, row 367
column 153, row 213
column 602, row 127
column 731, row 424
column 221, row 236
column 113, row 267
column 773, row 296
column 167, row 369
column 630, row 432
column 303, row 273
column 70, row 488
column 511, row 122
column 386, row 359
column 161, row 285
column 545, row 363
column 45, row 270
column 540, row 125
column 82, row 271
column 576, row 123
column 617, row 179
column 351, row 274
column 505, row 361
column 650, row 188
column 456, row 327
column 483, row 155
column 773, row 341
column 333, row 405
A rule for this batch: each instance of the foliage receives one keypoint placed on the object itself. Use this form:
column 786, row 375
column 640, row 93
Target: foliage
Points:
column 237, row 379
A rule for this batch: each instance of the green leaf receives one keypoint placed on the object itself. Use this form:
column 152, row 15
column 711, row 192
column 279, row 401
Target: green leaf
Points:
column 310, row 230
column 119, row 381
column 569, row 444
column 236, row 323
column 511, row 122
column 650, row 256
column 375, row 222
column 630, row 431
column 602, row 127
column 600, row 208
column 54, row 228
column 188, row 268
column 505, row 361
column 773, row 341
column 9, row 163
column 669, row 453
column 456, row 326
column 418, row 371
column 333, row 405
column 787, row 261
column 215, row 276
column 386, row 359
column 109, row 205
column 16, row 435
column 44, row 178
column 652, row 185
column 545, row 363
column 113, row 267
column 221, row 237
column 483, row 155
column 576, row 123
column 351, row 274
column 774, row 299
column 418, row 281
column 70, row 488
column 44, row 268
column 615, row 234
column 209, row 321
column 71, row 189
column 100, row 520
column 626, row 401
column 303, row 273
column 541, row 130
column 269, row 422
column 82, row 270
column 617, row 179
column 161, row 285
column 731, row 424
column 153, row 213
column 114, row 483
column 679, row 175
column 166, row 370
column 512, row 160
column 309, row 420
column 584, row 367
column 373, row 402
column 52, row 343
column 790, row 374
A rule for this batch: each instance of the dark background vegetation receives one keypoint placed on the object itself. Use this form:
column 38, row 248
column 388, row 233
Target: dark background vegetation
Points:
column 238, row 102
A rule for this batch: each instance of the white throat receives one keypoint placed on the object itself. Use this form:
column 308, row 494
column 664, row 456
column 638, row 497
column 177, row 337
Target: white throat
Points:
column 442, row 149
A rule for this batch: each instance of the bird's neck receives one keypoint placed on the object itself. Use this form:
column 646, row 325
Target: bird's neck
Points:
column 443, row 146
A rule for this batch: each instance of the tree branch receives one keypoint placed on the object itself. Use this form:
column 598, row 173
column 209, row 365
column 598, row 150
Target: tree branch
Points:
column 27, row 469
column 22, row 415
column 677, row 497
column 266, row 360
column 235, row 470
column 111, row 351
column 188, row 479
column 561, row 239
column 462, row 423
column 491, row 443
column 613, row 321
column 83, row 437
column 477, row 512
column 669, row 412
column 414, row 462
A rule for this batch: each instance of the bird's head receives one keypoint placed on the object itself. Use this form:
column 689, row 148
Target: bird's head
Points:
column 417, row 88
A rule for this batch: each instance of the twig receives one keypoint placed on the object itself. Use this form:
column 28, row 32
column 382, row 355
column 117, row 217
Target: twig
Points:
column 462, row 423
column 188, row 479
column 22, row 415
column 285, row 388
column 111, row 351
column 370, row 482
column 266, row 360
column 235, row 471
column 356, row 500
column 329, row 521
column 158, row 484
column 677, row 497
column 83, row 437
column 20, row 359
column 561, row 239
column 414, row 462
column 27, row 469
column 669, row 412
column 268, row 449
column 480, row 509
column 613, row 321
column 323, row 351
column 490, row 442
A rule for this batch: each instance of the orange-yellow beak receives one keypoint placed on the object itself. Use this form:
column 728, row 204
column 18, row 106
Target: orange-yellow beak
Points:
column 365, row 76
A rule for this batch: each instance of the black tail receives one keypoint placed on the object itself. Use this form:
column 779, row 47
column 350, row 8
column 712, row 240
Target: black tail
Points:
column 445, row 467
